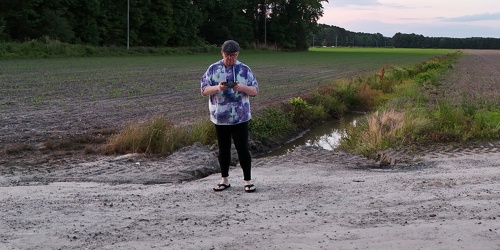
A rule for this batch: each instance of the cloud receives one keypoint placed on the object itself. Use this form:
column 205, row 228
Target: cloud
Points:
column 360, row 3
column 345, row 3
column 431, row 18
column 434, row 30
column 474, row 18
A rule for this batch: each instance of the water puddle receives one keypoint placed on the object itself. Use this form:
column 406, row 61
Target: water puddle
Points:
column 326, row 135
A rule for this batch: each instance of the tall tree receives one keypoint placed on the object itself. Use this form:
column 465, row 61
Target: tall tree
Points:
column 3, row 34
column 255, row 13
column 158, row 25
column 21, row 18
column 112, row 22
column 83, row 16
column 291, row 21
column 186, row 21
column 225, row 19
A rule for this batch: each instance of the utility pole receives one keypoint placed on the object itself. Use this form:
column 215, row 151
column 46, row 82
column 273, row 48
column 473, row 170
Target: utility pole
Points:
column 128, row 24
column 265, row 25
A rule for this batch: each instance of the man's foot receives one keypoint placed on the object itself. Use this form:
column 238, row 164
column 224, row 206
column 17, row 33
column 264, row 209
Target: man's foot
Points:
column 221, row 187
column 250, row 188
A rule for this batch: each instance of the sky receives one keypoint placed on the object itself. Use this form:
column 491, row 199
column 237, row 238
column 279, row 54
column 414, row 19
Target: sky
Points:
column 431, row 18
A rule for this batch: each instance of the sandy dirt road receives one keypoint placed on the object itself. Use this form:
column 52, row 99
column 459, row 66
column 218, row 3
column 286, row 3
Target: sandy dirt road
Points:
column 309, row 199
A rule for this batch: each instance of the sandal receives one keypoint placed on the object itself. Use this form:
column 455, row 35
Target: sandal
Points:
column 250, row 188
column 221, row 187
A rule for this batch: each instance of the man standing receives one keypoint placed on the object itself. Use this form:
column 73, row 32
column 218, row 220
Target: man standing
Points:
column 229, row 84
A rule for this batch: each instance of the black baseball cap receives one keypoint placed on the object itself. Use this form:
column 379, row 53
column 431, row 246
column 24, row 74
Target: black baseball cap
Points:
column 230, row 46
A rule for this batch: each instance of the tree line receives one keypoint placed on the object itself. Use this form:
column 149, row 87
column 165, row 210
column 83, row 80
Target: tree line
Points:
column 162, row 23
column 283, row 24
column 419, row 41
column 328, row 36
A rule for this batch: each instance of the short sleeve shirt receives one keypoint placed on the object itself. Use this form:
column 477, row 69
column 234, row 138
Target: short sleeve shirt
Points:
column 229, row 107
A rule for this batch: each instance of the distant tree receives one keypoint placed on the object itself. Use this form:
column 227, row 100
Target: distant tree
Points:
column 3, row 35
column 186, row 22
column 112, row 23
column 225, row 19
column 256, row 11
column 292, row 20
column 288, row 24
column 83, row 16
column 401, row 40
column 419, row 41
column 336, row 36
column 22, row 19
column 158, row 26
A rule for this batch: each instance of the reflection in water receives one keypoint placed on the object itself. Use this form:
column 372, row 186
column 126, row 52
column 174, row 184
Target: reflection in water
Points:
column 326, row 135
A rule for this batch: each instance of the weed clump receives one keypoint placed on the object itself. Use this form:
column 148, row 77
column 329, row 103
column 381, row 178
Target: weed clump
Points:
column 19, row 149
column 157, row 136
column 272, row 126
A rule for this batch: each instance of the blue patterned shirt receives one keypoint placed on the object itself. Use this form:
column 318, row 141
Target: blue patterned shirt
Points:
column 229, row 107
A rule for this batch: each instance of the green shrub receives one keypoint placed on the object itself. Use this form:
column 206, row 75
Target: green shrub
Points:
column 431, row 65
column 46, row 47
column 300, row 110
column 412, row 71
column 424, row 79
column 396, row 74
column 491, row 118
column 408, row 94
column 346, row 92
column 330, row 103
column 272, row 125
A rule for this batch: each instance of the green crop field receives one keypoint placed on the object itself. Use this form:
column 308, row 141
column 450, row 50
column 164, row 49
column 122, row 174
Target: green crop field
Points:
column 69, row 95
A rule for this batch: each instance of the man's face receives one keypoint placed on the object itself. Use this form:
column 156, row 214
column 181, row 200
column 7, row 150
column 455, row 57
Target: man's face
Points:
column 229, row 58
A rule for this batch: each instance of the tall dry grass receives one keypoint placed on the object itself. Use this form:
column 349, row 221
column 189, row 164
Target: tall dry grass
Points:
column 379, row 128
column 158, row 136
